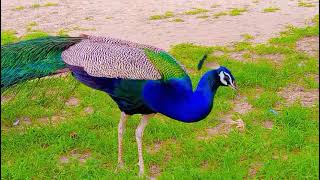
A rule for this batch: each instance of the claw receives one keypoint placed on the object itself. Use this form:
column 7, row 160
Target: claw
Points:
column 141, row 174
column 119, row 168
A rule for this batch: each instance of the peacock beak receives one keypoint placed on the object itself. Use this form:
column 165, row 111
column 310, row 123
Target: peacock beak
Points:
column 233, row 85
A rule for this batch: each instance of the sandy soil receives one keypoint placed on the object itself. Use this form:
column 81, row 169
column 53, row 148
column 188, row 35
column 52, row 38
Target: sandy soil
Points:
column 296, row 93
column 227, row 123
column 128, row 19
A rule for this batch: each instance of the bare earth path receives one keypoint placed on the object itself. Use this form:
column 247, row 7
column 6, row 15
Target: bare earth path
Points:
column 128, row 19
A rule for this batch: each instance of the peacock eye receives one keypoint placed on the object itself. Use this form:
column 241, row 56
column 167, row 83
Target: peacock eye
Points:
column 227, row 79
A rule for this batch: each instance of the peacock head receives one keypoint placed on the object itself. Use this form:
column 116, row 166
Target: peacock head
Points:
column 226, row 78
column 223, row 74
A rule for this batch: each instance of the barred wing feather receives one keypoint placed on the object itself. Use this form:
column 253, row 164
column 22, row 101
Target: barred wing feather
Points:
column 113, row 58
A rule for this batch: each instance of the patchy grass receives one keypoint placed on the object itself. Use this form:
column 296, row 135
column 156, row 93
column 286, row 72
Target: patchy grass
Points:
column 34, row 6
column 19, row 8
column 156, row 17
column 195, row 11
column 237, row 11
column 222, row 13
column 90, row 18
column 305, row 4
column 166, row 15
column 61, row 141
column 178, row 20
column 247, row 37
column 50, row 4
column 315, row 19
column 8, row 36
column 203, row 17
column 34, row 35
column 232, row 12
column 63, row 32
column 271, row 9
column 293, row 34
column 30, row 26
column 215, row 5
column 79, row 28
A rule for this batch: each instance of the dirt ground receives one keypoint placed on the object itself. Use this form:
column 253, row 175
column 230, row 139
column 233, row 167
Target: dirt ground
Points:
column 128, row 19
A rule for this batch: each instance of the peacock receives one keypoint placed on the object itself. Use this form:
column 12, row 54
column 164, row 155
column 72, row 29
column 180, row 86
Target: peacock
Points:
column 141, row 79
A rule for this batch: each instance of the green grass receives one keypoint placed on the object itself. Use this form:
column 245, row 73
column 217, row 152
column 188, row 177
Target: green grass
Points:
column 315, row 19
column 293, row 34
column 232, row 12
column 63, row 32
column 30, row 26
column 305, row 4
column 271, row 9
column 8, row 36
column 290, row 150
column 247, row 37
column 19, row 8
column 50, row 4
column 203, row 17
column 237, row 11
column 156, row 17
column 166, row 15
column 79, row 28
column 89, row 18
column 178, row 20
column 35, row 6
column 222, row 13
column 214, row 5
column 195, row 11
column 34, row 35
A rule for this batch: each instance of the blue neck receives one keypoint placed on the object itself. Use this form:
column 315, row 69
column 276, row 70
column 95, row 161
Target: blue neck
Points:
column 201, row 100
column 180, row 102
column 207, row 84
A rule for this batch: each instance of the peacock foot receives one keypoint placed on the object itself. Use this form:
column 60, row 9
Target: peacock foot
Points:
column 120, row 167
column 141, row 170
column 240, row 124
column 141, row 173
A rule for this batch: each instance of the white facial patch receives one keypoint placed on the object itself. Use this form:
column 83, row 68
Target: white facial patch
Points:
column 229, row 78
column 221, row 74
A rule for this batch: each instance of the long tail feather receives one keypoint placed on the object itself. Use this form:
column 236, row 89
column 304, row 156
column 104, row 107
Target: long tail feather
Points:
column 27, row 60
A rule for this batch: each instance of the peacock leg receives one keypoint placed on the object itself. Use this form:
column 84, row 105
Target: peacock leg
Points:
column 139, row 135
column 121, row 127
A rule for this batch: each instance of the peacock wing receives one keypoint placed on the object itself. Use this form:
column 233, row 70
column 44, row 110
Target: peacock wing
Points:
column 164, row 63
column 167, row 66
column 113, row 58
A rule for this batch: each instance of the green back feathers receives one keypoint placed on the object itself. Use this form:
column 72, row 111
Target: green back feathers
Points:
column 167, row 66
column 31, row 59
